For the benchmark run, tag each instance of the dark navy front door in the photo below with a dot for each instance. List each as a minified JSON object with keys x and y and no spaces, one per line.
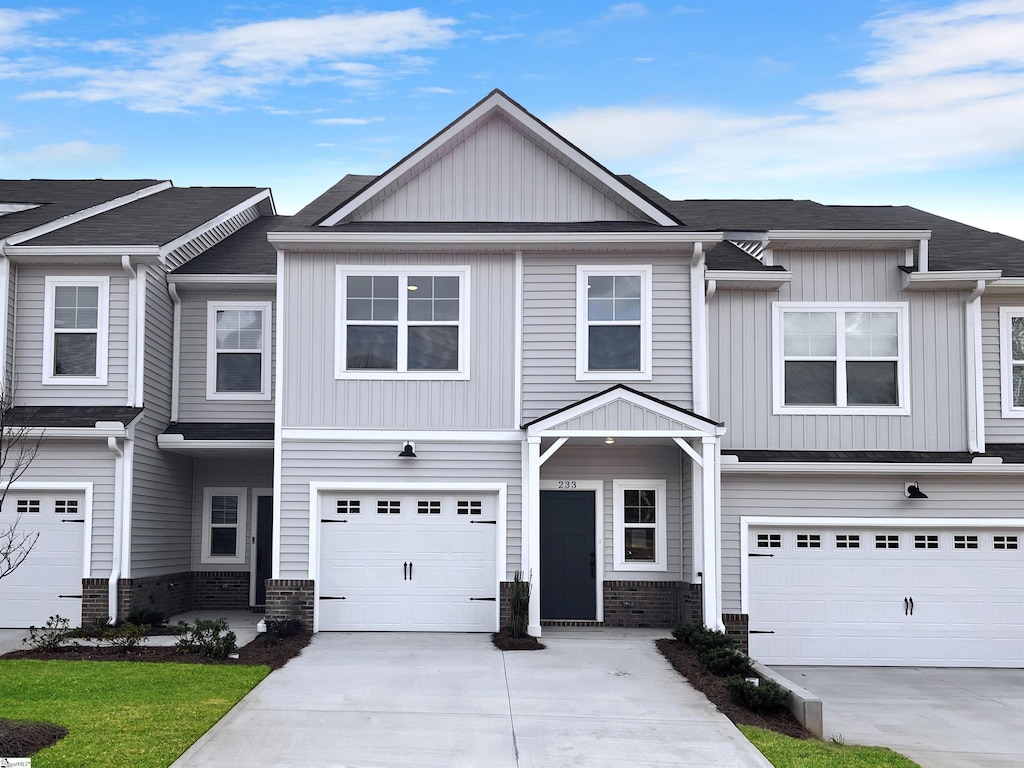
{"x":568,"y":564}
{"x":264,"y":540}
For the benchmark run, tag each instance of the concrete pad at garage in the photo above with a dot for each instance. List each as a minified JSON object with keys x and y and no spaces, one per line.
{"x":10,"y":640}
{"x":940,"y":718}
{"x":593,"y":697}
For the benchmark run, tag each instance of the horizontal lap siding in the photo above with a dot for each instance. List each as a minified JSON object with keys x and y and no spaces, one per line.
{"x":441,"y":462}
{"x":28,"y":363}
{"x":741,"y":360}
{"x":162,"y":491}
{"x":549,"y":331}
{"x":846,"y":496}
{"x":997,"y":429}
{"x":254,"y":473}
{"x":192,"y":402}
{"x":626,"y":461}
{"x":314,"y":398}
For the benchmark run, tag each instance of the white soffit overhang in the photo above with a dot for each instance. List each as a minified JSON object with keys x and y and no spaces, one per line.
{"x":832,"y":239}
{"x":948,"y":281}
{"x":749,"y":280}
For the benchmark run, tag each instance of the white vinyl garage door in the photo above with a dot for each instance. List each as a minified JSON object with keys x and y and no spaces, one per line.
{"x":49,"y":582}
{"x":408,"y":562}
{"x":945,"y":597}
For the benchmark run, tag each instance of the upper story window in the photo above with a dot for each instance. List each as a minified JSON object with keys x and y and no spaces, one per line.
{"x":75,"y":330}
{"x":832,"y":356}
{"x":407,"y":323}
{"x":238,"y":350}
{"x":613,"y":323}
{"x":1011,"y":361}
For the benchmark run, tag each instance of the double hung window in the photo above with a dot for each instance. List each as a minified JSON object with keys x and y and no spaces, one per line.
{"x":613,"y":325}
{"x":75,"y":335}
{"x":1011,"y":359}
{"x":639,"y":519}
{"x":403,"y":322}
{"x":840,"y":356}
{"x":224,"y":516}
{"x":238,"y":351}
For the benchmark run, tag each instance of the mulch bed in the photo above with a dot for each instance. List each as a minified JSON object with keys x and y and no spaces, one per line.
{"x":684,"y":659}
{"x":504,"y":641}
{"x":20,"y":738}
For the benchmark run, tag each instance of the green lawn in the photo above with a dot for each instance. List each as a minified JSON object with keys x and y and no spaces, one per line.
{"x":121,"y":713}
{"x":785,"y":752}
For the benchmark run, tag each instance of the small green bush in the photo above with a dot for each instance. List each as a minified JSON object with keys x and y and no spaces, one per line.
{"x":764,"y":697}
{"x":127,"y":636}
{"x":50,"y":636}
{"x":724,"y":661}
{"x":280,"y":629}
{"x":146,"y":616}
{"x":702,"y":639}
{"x":519,"y":605}
{"x":210,"y":638}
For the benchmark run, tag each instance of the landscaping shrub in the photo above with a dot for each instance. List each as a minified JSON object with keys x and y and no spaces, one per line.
{"x":50,"y":635}
{"x":127,"y":636}
{"x":724,"y":661}
{"x":280,"y":629}
{"x":702,"y":639}
{"x":519,"y":605}
{"x":764,"y":697}
{"x":210,"y":638}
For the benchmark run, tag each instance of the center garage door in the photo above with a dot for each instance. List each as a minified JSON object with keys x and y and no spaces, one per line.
{"x":408,"y":563}
{"x":887,"y":597}
{"x":49,"y":581}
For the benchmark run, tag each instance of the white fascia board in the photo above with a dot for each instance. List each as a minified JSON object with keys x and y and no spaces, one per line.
{"x":765,"y":279}
{"x":102,"y":430}
{"x":179,"y":443}
{"x":850,"y":234}
{"x":255,"y":200}
{"x":401,"y":435}
{"x":865,"y":468}
{"x":142,"y":252}
{"x":221,"y":281}
{"x":86,"y":213}
{"x":521,"y":239}
{"x":685,"y":434}
{"x":943,"y":281}
{"x":1006,"y":285}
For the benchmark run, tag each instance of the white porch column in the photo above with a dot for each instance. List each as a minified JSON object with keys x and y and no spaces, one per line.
{"x":712,"y":579}
{"x":531,"y":531}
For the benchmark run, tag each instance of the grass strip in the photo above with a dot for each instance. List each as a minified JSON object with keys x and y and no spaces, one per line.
{"x":787,"y":752}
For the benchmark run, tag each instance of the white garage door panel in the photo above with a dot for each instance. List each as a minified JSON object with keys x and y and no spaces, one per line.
{"x":409,"y":569}
{"x":828,"y":604}
{"x":33,"y":592}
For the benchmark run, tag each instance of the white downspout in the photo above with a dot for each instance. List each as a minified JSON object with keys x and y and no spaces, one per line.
{"x":922,"y":255}
{"x":126,"y":265}
{"x":5,"y":299}
{"x":172,"y":289}
{"x":140,"y":337}
{"x":699,"y":337}
{"x":975,"y":390}
{"x":115,"y":563}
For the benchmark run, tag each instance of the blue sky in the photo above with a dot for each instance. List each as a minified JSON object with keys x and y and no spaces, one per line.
{"x":854,"y":102}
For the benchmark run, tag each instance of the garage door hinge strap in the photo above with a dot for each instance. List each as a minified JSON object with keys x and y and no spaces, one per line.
{"x":759,"y":554}
{"x":484,"y":522}
{"x":325,"y":597}
{"x":73,"y":597}
{"x":761,"y":632}
{"x":72,"y":520}
{"x":484,"y":599}
{"x":334,"y":521}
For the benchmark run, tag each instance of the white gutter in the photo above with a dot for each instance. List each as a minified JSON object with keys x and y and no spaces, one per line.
{"x":115,"y":562}
{"x":219,"y":281}
{"x":850,"y":234}
{"x":103,"y":429}
{"x":127,"y":506}
{"x":150,"y":252}
{"x":336,"y":237}
{"x":175,"y":352}
{"x":700,"y":364}
{"x":975,"y":391}
{"x":178,"y":443}
{"x":866,"y":468}
{"x":126,"y":265}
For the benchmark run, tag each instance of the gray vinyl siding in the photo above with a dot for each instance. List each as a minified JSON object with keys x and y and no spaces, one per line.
{"x":192,"y":402}
{"x":82,"y":461}
{"x":28,"y":362}
{"x":437,"y":462}
{"x":997,"y":428}
{"x":949,"y":496}
{"x":254,"y":473}
{"x":162,"y":482}
{"x":628,"y":461}
{"x":740,"y":324}
{"x":549,"y":330}
{"x":315,"y":398}
{"x":496,"y":173}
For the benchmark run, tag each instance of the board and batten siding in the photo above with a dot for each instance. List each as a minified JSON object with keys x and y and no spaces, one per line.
{"x":162,"y":481}
{"x":997,"y":428}
{"x":28,"y":349}
{"x":495,"y":172}
{"x":549,"y":330}
{"x":627,"y":460}
{"x":192,"y":402}
{"x":845,"y":496}
{"x":740,"y":352}
{"x":314,"y":398}
{"x":305,"y":462}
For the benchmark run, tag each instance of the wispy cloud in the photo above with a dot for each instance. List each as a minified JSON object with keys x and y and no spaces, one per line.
{"x":180,"y":72}
{"x":942,"y":87}
{"x":64,"y":156}
{"x":625,"y":11}
{"x":13,"y":25}
{"x":435,"y":89}
{"x":497,"y":38}
{"x":347,"y":120}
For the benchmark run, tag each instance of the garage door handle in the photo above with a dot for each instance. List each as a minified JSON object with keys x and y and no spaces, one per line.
{"x":405,"y":571}
{"x":72,"y":597}
{"x":325,"y":597}
{"x":911,"y":606}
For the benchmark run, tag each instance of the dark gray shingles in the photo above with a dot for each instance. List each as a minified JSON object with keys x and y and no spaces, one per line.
{"x":329,"y":201}
{"x":246,"y":252}
{"x":69,"y":415}
{"x":222,"y":430}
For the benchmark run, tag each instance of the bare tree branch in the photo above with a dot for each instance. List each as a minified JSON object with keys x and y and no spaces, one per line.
{"x":19,"y":447}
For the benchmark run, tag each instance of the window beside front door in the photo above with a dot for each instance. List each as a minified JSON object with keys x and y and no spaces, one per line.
{"x":224,"y":519}
{"x":639,"y":520}
{"x":75,"y":334}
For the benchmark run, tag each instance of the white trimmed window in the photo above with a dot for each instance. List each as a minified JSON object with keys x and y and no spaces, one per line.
{"x":224,"y":515}
{"x":838,"y":356}
{"x":613,"y":323}
{"x":238,"y":350}
{"x":1011,"y":361}
{"x":75,"y":330}
{"x":639,"y":519}
{"x":402,"y":323}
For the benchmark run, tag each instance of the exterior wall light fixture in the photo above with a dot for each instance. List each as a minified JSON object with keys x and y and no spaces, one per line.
{"x":913,"y":491}
{"x":408,"y":451}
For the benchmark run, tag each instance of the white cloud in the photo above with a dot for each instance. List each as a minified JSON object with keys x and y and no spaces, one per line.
{"x":347,"y":120}
{"x":13,"y":25}
{"x":435,"y":89}
{"x":179,"y":72}
{"x":498,"y":38}
{"x":69,"y":154}
{"x":625,"y":11}
{"x":944,"y":88}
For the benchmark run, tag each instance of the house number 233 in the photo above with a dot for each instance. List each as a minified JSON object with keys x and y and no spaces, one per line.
{"x":566,"y":484}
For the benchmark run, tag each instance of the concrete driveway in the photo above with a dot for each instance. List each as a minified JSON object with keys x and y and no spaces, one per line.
{"x":10,"y":640}
{"x":940,"y":718}
{"x":594,"y":698}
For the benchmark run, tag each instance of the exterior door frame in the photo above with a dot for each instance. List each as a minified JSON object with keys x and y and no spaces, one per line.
{"x":597,"y":488}
{"x":254,"y":518}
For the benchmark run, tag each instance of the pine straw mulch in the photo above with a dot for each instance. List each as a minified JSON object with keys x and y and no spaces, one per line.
{"x":504,"y":641}
{"x":684,"y":659}
{"x":24,"y":739}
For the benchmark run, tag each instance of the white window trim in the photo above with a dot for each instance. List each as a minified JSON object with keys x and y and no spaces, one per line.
{"x":1006,"y":315}
{"x":583,"y":272}
{"x":243,"y":519}
{"x":427,"y":270}
{"x":212,"y":307}
{"x":102,"y":323}
{"x":619,"y":524}
{"x":779,"y":406}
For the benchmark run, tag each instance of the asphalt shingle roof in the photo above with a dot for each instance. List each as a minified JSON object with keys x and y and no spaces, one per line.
{"x":209,"y":430}
{"x":246,"y":252}
{"x":69,"y":415}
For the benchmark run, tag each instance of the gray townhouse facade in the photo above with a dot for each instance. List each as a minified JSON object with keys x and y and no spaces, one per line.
{"x":798,"y":423}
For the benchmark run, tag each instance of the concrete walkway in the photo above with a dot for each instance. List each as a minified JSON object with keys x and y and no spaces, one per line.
{"x":940,"y":718}
{"x":594,"y":698}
